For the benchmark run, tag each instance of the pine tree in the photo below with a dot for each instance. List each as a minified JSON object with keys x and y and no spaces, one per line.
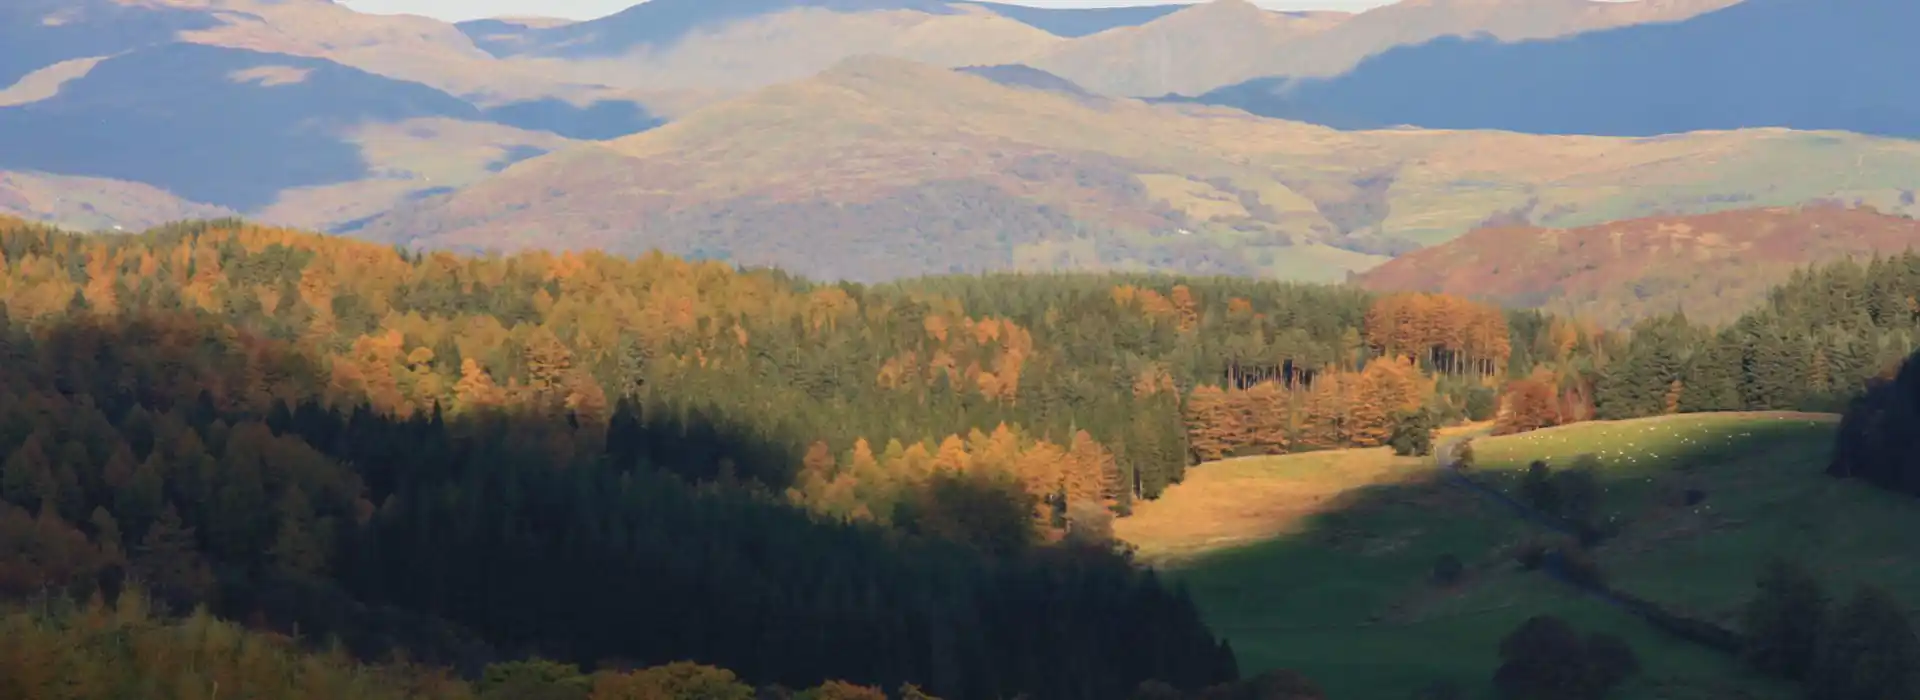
{"x":168,"y":559}
{"x":1784,"y":624}
{"x":1870,"y":651}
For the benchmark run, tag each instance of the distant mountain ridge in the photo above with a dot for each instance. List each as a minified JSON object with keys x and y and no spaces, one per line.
{"x":88,"y":204}
{"x":1148,"y":51}
{"x":883,"y":168}
{"x":125,"y":120}
{"x":1018,"y":75}
{"x":340,"y":120}
{"x":660,"y":22}
{"x":1706,"y":72}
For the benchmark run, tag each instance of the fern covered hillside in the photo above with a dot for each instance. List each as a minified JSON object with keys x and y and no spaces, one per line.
{"x":882,"y":168}
{"x":1713,"y":267}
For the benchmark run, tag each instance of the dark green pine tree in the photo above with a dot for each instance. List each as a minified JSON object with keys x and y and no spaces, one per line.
{"x":1869,"y":653}
{"x":1784,"y":623}
{"x":1712,"y":379}
{"x":1771,"y":367}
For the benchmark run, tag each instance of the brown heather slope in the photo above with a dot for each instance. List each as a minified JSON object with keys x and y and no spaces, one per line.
{"x":1188,"y":52}
{"x":881,"y":168}
{"x":91,"y":203}
{"x":1712,"y":266}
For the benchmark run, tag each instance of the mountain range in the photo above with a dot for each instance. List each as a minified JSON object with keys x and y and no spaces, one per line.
{"x":883,"y":167}
{"x":934,"y":136}
{"x":1798,"y":64}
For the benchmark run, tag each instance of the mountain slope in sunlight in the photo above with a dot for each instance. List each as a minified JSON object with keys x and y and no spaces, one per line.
{"x":881,"y":168}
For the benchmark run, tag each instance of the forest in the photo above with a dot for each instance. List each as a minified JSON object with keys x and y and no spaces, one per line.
{"x":477,"y":460}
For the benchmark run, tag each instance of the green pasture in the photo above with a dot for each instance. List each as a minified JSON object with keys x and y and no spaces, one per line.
{"x":1347,"y":598}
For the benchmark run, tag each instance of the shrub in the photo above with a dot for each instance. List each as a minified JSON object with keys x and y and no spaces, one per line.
{"x":1576,"y":492}
{"x":1538,"y":489}
{"x":1447,"y":570}
{"x":1545,"y":659}
{"x":1440,"y":690}
{"x":1463,"y":455}
{"x":1412,"y":434}
{"x":1482,"y":404}
{"x":1579,"y":566}
{"x":1531,"y":553}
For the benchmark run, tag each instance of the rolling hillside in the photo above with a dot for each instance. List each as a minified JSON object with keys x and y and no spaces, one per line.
{"x":1224,"y":42}
{"x":127,"y":119}
{"x":1416,"y":22}
{"x":660,"y":23}
{"x":35,"y":34}
{"x":1152,"y":50}
{"x":1187,"y":52}
{"x":89,"y":203}
{"x":1702,"y":73}
{"x":883,"y":168}
{"x":151,"y":92}
{"x":1375,"y":625}
{"x":1711,"y":266}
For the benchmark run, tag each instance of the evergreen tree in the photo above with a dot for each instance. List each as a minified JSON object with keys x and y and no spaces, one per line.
{"x":1784,"y":623}
{"x":1869,"y":652}
{"x":1412,"y":433}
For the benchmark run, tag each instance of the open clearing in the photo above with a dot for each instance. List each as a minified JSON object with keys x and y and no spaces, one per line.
{"x":1322,"y":562}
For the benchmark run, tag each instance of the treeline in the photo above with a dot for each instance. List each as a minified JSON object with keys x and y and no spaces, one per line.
{"x":1080,"y":382}
{"x":188,"y":454}
{"x":99,"y":651}
{"x":1813,"y":346}
{"x":1879,"y":437}
{"x":96,"y":650}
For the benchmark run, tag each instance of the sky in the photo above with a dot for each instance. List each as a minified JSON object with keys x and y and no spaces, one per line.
{"x":460,"y":10}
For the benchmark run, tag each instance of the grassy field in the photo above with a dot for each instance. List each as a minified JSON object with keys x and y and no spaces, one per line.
{"x":1321,"y":562}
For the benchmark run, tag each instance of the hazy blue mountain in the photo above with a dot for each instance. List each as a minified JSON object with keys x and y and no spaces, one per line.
{"x":1022,"y":75}
{"x":1074,"y":22}
{"x":35,"y":34}
{"x":601,"y":120}
{"x":497,"y":37}
{"x":659,"y":22}
{"x":174,"y":116}
{"x":1804,"y":64}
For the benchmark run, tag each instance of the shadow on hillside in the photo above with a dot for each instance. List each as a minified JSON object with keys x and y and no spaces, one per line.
{"x":1599,"y":82}
{"x":230,"y":470}
{"x":1368,"y":570}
